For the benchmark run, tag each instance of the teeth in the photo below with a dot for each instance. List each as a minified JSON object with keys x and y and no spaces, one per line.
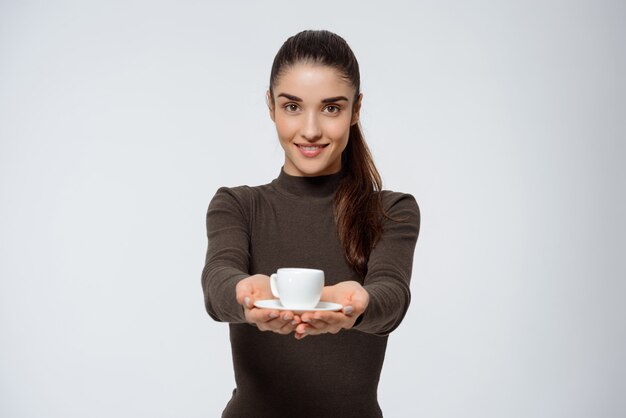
{"x":311,"y":148}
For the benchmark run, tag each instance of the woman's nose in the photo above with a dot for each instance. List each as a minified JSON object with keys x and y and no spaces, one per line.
{"x":311,"y":131}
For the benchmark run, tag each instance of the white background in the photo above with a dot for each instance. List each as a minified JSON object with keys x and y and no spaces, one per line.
{"x":120,"y":119}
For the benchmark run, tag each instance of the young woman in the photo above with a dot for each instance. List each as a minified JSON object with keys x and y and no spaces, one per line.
{"x":325,"y":210}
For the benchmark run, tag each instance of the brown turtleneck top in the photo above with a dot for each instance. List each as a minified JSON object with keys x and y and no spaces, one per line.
{"x":290,"y":223}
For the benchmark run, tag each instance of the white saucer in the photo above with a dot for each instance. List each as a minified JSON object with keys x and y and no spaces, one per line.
{"x":275,"y":304}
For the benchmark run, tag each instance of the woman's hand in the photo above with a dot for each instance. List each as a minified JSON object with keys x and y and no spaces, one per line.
{"x":255,"y":288}
{"x":354,"y":299}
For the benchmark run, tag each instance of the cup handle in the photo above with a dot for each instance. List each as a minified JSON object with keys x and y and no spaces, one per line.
{"x":273,"y":285}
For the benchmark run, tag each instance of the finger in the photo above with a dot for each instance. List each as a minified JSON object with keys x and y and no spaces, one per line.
{"x":323,"y":317}
{"x":277,"y":325}
{"x":281,"y":322}
{"x":306,"y":317}
{"x":287,"y":327}
{"x":263,"y":315}
{"x":315,"y":315}
{"x":329,"y":323}
{"x":356,"y":307}
{"x":359,"y":301}
{"x":272,"y":315}
{"x":287,"y":315}
{"x":244,"y":293}
{"x":302,"y":328}
{"x":314,"y":328}
{"x":253,"y":315}
{"x":286,"y":320}
{"x":317,"y":324}
{"x":326,"y":328}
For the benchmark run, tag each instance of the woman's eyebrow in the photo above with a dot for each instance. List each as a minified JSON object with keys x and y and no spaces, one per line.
{"x":290,"y":97}
{"x":335,"y":99}
{"x":328,"y":100}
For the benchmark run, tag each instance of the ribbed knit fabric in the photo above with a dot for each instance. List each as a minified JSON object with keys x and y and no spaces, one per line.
{"x":290,"y":223}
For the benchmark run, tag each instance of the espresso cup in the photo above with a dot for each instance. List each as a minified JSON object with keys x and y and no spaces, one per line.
{"x":297,"y":287}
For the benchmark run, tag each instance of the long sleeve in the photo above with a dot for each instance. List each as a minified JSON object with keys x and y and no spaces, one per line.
{"x":228,"y":258}
{"x":290,"y":222}
{"x":389,"y":267}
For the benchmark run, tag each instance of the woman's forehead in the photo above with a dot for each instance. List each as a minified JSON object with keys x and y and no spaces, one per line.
{"x":313,"y":81}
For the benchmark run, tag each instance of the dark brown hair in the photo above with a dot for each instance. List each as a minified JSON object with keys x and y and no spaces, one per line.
{"x":357,"y":201}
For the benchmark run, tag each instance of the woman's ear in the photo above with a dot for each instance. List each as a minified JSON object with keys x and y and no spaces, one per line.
{"x":357,"y":110}
{"x":268,"y":100}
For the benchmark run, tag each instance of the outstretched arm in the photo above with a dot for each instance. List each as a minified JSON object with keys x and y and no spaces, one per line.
{"x":227,"y":258}
{"x":380,"y":304}
{"x":229,"y":290}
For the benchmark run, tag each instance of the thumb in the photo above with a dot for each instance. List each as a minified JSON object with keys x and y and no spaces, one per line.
{"x":244,"y":293}
{"x":357,"y":303}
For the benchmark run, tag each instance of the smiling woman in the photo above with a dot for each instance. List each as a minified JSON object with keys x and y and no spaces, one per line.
{"x":327,"y":211}
{"x":313,"y":119}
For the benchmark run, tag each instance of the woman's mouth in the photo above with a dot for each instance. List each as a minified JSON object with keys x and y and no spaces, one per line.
{"x":311,"y":151}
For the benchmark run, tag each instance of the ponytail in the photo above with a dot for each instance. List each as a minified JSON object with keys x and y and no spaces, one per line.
{"x":358,"y":203}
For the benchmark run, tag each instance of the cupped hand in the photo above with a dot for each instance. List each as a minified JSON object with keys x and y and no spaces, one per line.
{"x":257,"y":287}
{"x":351,"y":295}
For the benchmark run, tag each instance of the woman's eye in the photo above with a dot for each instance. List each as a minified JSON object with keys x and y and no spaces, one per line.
{"x":291,"y":107}
{"x":332,"y":109}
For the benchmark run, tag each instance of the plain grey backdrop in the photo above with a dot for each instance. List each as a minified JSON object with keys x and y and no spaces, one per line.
{"x":120,"y":119}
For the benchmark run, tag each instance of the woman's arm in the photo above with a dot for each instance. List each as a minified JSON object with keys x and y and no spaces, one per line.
{"x":227,"y":259}
{"x":229,"y":290}
{"x":380,"y":304}
{"x":390,"y":266}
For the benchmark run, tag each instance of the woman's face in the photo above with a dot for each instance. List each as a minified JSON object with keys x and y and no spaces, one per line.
{"x":313,"y":112}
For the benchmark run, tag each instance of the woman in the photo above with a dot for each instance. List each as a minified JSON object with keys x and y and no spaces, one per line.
{"x":325,"y":210}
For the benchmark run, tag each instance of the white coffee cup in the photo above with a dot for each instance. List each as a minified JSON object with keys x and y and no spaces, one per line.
{"x":297,"y":287}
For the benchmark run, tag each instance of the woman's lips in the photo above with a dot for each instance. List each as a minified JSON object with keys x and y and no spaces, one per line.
{"x":311,"y":151}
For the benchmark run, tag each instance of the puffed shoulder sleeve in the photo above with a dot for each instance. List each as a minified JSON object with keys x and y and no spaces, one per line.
{"x":390,"y":265}
{"x":227,"y":257}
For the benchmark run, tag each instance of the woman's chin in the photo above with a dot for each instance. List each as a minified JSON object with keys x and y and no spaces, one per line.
{"x":313,"y":170}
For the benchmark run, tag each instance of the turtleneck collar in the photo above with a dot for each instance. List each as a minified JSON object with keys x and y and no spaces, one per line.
{"x":317,"y":186}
